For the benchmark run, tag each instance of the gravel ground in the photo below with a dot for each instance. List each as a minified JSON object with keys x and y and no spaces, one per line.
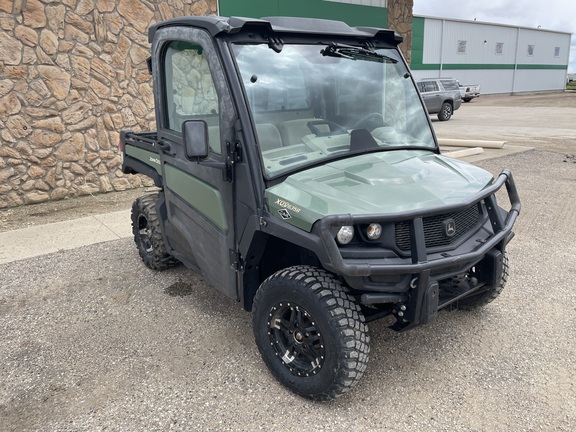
{"x":92,"y":340}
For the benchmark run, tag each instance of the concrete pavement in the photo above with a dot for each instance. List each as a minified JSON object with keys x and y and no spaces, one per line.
{"x":44,"y":239}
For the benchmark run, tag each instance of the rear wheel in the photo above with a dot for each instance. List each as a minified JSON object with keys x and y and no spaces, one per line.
{"x":147,"y":234}
{"x":446,"y":112}
{"x":310,"y":332}
{"x":467,"y":99}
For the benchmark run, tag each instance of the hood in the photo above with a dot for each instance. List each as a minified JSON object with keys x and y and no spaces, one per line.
{"x":378,"y":183}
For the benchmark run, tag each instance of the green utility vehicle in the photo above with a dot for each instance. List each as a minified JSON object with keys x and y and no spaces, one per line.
{"x":299,"y":174}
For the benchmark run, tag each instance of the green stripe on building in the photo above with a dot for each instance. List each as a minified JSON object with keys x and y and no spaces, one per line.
{"x":418,"y":43}
{"x":541,"y":66}
{"x":351,"y":14}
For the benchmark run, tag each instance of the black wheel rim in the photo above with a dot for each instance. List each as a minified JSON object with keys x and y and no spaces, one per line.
{"x":144,"y":233}
{"x":296,"y":340}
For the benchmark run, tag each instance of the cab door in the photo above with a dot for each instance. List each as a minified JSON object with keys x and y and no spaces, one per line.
{"x":199,"y":198}
{"x":431,"y":95}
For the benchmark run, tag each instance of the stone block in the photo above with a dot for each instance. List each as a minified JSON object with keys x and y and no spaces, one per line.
{"x":5,"y":87}
{"x":114,"y":23}
{"x":10,"y":49}
{"x":73,"y":34}
{"x":55,"y":17}
{"x":42,"y":185}
{"x":5,"y":174}
{"x":58,"y":194}
{"x":88,"y":189}
{"x":36,"y":172}
{"x":17,"y":73}
{"x":76,"y":113}
{"x":40,"y":113}
{"x":105,"y":185}
{"x":56,"y":80}
{"x":79,"y":22}
{"x":84,"y":124}
{"x":136,"y":13}
{"x":42,"y":138}
{"x":9,"y":104}
{"x":49,"y":42}
{"x":120,"y":183}
{"x":34,"y":15}
{"x":18,"y":126}
{"x":40,"y":88}
{"x":84,"y":7}
{"x":53,"y":124}
{"x":6,"y":5}
{"x":36,"y":197}
{"x":26,"y":35}
{"x":72,"y":150}
{"x":7,"y":136}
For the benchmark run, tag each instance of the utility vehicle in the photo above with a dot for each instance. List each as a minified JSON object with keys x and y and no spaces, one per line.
{"x":299,"y":174}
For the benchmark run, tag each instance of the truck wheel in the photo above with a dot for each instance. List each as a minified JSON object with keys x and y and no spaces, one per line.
{"x":310,"y":332}
{"x":446,"y":112}
{"x":147,"y":234}
{"x":484,"y":297}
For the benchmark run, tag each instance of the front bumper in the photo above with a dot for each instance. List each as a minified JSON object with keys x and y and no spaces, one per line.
{"x":422,"y":270}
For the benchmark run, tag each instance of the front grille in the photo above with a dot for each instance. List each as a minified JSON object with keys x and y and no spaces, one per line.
{"x":434,"y":228}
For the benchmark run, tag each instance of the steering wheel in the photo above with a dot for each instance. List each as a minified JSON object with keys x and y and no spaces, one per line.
{"x":333,"y":128}
{"x":370,"y":122}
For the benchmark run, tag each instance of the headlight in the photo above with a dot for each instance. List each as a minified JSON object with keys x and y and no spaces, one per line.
{"x":374,"y":231}
{"x":345,"y":234}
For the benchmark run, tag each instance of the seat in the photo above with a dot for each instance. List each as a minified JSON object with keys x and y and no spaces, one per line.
{"x":292,"y":131}
{"x":268,"y":136}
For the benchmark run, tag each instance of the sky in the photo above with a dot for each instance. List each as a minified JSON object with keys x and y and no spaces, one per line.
{"x":548,"y":14}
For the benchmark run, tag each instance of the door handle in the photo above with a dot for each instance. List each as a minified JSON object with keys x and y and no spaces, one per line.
{"x":166,"y":148}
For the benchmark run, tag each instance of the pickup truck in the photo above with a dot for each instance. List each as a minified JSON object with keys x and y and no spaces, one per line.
{"x":299,"y":174}
{"x":469,"y":91}
{"x":441,"y":96}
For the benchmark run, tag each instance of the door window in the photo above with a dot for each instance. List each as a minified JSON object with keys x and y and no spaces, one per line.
{"x":427,"y":86}
{"x":190,"y":92}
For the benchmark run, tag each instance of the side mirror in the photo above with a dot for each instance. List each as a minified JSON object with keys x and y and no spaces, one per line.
{"x":195,"y":135}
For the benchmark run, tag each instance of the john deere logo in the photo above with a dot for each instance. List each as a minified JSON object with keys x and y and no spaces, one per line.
{"x":449,"y":228}
{"x":285,"y":214}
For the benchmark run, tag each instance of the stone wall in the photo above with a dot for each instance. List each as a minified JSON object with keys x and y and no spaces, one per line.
{"x":400,"y":20}
{"x":72,"y":75}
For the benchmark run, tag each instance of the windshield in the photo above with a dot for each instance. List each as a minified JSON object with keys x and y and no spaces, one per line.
{"x":312,"y":103}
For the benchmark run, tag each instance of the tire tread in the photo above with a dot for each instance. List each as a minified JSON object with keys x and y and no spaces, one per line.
{"x":158,"y":258}
{"x":344,"y":315}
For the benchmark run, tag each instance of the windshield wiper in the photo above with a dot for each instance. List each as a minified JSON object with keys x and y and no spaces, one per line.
{"x":355,"y":53}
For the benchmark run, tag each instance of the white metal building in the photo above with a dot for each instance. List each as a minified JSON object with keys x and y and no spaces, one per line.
{"x":501,"y":58}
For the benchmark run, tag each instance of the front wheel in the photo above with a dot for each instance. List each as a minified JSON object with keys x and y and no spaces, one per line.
{"x":446,"y":112}
{"x":310,"y":332}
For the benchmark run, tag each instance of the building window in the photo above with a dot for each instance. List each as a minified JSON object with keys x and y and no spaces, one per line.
{"x":530,"y":50}
{"x":499,"y":48}
{"x":461,"y":47}
{"x":556,"y":51}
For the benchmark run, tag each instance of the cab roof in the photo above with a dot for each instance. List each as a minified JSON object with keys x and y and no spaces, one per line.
{"x":218,"y":26}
